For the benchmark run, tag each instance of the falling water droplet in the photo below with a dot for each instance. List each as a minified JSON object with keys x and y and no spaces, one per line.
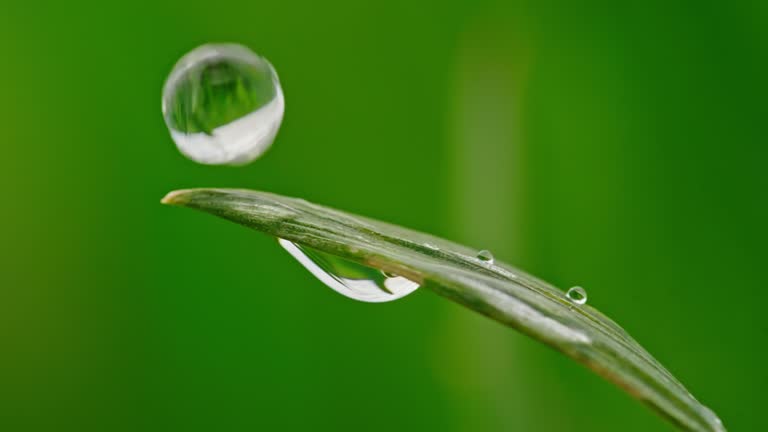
{"x":348,"y":278}
{"x":485,"y":256}
{"x":577,"y":295}
{"x":223,"y":104}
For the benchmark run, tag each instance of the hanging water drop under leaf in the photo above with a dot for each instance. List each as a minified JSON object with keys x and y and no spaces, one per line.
{"x":223,"y":104}
{"x":351,"y":279}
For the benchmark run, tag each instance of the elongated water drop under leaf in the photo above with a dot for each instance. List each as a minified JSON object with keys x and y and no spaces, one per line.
{"x":501,"y":292}
{"x":349,"y":278}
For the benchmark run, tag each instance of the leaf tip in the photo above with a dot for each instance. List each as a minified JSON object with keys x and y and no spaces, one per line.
{"x":176,"y":197}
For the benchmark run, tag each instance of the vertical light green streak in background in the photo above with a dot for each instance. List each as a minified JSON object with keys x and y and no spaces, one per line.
{"x":488,"y":180}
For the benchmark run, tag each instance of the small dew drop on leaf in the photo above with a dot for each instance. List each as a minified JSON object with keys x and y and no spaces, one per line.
{"x":577,"y":295}
{"x":486,"y":257}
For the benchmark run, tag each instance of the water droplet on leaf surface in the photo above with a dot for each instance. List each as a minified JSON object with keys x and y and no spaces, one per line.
{"x":348,"y":278}
{"x":223,"y":104}
{"x":577,"y":295}
{"x":485,"y":256}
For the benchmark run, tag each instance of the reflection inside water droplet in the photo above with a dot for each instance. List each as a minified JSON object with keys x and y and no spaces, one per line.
{"x":577,"y":295}
{"x":485,"y":256}
{"x":387,"y":274}
{"x":348,"y":278}
{"x":223,"y":104}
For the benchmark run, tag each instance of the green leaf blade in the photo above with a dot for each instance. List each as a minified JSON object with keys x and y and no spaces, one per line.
{"x":501,"y":292}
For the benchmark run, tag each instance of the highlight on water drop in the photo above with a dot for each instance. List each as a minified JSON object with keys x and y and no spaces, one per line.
{"x":348,"y":278}
{"x":223,"y":104}
{"x":577,"y":295}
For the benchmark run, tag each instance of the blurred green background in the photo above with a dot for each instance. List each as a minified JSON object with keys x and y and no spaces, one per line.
{"x":614,"y":146}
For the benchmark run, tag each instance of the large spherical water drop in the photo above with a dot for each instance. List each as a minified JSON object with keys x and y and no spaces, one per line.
{"x":223,"y":104}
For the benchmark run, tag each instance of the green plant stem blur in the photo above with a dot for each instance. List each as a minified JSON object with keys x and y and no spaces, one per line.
{"x":619,"y":148}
